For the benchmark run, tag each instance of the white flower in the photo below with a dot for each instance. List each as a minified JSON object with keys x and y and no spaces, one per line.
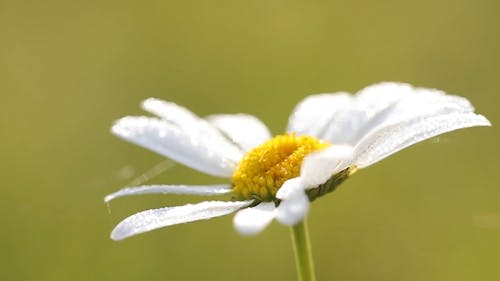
{"x":329,"y":137}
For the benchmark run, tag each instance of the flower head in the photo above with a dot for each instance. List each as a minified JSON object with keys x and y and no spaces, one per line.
{"x":329,"y":137}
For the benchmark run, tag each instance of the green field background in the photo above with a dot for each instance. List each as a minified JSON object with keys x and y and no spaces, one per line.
{"x":68,"y":69}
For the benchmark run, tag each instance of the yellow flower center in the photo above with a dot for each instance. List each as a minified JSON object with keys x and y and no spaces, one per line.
{"x":265,"y":168}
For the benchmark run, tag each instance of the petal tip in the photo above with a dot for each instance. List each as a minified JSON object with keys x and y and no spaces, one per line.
{"x":252,"y":221}
{"x":120,"y":126}
{"x":246,"y":231}
{"x":108,"y":198}
{"x":485,"y":121}
{"x":147,"y":103}
{"x":290,"y":187}
{"x":118,"y":234}
{"x":293,"y":210}
{"x":290,"y":219}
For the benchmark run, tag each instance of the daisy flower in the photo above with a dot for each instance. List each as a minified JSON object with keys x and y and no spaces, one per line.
{"x":328,"y":138}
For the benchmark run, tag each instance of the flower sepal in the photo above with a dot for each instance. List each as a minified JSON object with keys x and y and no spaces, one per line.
{"x":331,"y":184}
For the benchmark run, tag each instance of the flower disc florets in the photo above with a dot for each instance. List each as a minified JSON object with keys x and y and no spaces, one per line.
{"x":264,"y":169}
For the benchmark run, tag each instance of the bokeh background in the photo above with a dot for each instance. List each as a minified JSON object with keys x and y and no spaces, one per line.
{"x":68,"y":69}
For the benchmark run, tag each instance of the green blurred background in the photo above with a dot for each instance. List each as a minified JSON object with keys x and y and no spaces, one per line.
{"x":68,"y":69}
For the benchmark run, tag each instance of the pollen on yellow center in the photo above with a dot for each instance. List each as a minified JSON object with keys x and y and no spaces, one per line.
{"x":265,"y":168}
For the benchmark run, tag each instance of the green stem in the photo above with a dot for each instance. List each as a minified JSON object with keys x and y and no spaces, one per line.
{"x":303,"y":253}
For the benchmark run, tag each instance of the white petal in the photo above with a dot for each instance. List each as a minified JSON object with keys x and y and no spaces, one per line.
{"x":245,"y":130}
{"x":318,"y":167}
{"x":389,"y":103}
{"x":294,"y":202}
{"x":366,"y":104}
{"x":289,"y":188}
{"x":253,"y":220}
{"x":184,"y":119}
{"x":218,"y":189}
{"x":390,"y":139}
{"x":313,"y":113}
{"x":425,"y":97}
{"x":421,"y":102}
{"x":206,"y":153}
{"x":158,"y":218}
{"x":188,"y":122}
{"x":174,"y":113}
{"x":419,"y":105}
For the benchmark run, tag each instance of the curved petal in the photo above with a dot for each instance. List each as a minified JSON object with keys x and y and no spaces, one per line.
{"x":187,"y":121}
{"x":184,"y":119}
{"x":178,"y":115}
{"x":421,"y":102}
{"x":245,"y":130}
{"x":319,"y":166}
{"x":218,"y":189}
{"x":289,"y":187}
{"x":389,"y":103}
{"x":157,"y":218}
{"x":253,"y":220}
{"x":312,"y":114}
{"x":365,"y":105}
{"x":204,"y":152}
{"x":425,"y":102}
{"x":294,"y":202}
{"x":390,"y":139}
